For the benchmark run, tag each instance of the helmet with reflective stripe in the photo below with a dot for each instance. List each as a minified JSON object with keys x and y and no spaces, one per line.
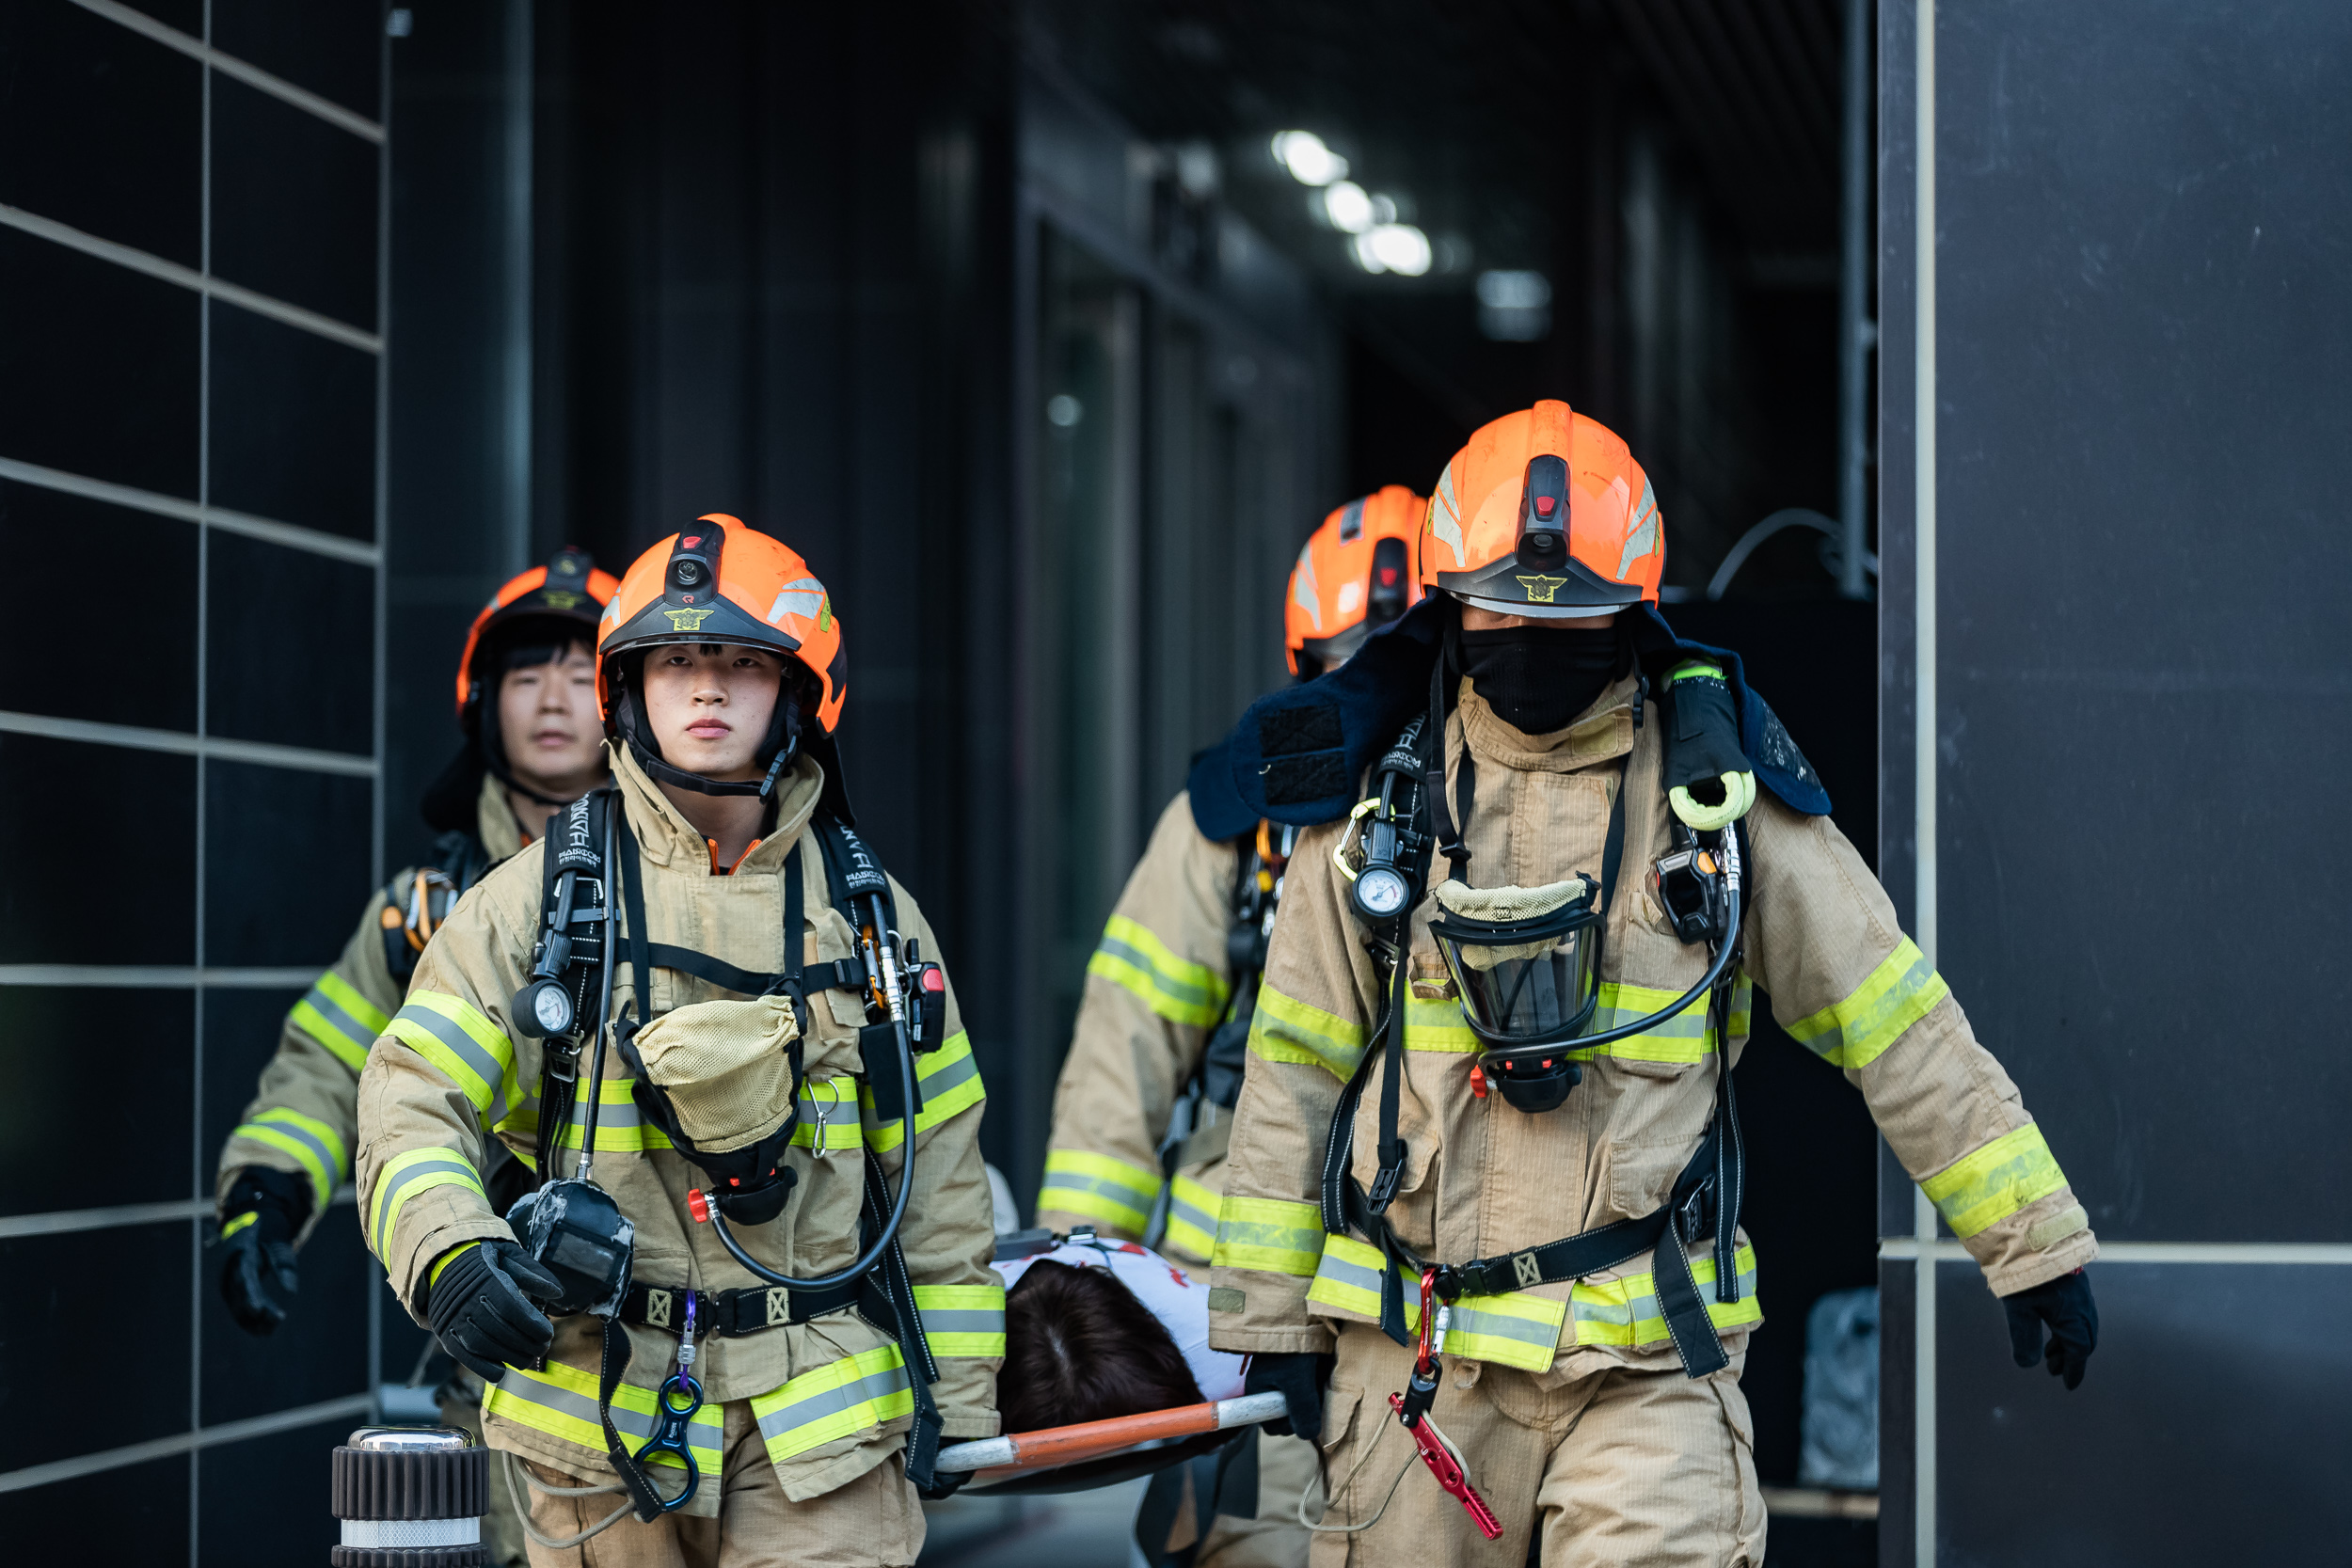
{"x":1545,"y":514}
{"x":1354,"y":575}
{"x":720,"y":580}
{"x":568,"y":593}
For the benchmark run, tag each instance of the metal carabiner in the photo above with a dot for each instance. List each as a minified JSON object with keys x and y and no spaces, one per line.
{"x":671,"y":1419}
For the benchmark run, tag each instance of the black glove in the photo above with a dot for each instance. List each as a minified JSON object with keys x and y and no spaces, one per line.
{"x":2065,"y":1304}
{"x":1299,"y":1377}
{"x":944,"y":1483}
{"x":259,"y":1219}
{"x":482,"y":1310}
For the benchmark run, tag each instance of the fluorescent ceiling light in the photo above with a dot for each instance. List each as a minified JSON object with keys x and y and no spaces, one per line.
{"x":1397,"y":247}
{"x":1350,"y":210}
{"x":1308,"y":161}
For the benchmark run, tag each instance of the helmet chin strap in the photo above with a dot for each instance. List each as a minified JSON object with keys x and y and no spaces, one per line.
{"x":782,"y":742}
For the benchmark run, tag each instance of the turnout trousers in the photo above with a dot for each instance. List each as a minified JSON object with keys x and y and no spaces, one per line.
{"x":875,"y":1521}
{"x":1614,"y":1467}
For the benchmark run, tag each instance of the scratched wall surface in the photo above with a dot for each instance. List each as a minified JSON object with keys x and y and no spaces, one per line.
{"x":2142,"y":332}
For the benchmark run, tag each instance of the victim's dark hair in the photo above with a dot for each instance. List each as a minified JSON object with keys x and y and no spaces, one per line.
{"x":1080,"y":1347}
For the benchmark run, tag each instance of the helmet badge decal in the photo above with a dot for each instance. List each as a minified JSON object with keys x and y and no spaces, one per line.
{"x":687,"y":620}
{"x":1541,"y":589}
{"x":559,"y":598}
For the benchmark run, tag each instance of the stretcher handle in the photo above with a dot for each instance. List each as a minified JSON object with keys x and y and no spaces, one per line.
{"x":1053,"y":1446}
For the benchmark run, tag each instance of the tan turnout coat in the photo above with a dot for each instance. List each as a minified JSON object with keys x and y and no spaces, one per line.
{"x":450,"y":1076}
{"x":1484,"y":1179}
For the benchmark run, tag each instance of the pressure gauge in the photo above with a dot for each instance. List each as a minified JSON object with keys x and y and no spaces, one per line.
{"x":544,"y":1008}
{"x":1381,"y":892}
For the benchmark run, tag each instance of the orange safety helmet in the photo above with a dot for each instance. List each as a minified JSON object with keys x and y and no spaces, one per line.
{"x":1354,"y":575}
{"x":1545,"y":514}
{"x":723,"y":581}
{"x":567,"y":589}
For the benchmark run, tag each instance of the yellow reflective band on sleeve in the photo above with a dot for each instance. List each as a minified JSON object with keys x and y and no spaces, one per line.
{"x":248,"y":1217}
{"x":335,"y":1014}
{"x":1132,"y":958}
{"x":561,"y":1403}
{"x":1985,"y":1187}
{"x":838,"y":1400}
{"x":311,"y":1141}
{"x":1270,"y":1234}
{"x":405,"y":1174}
{"x":950,"y":1081}
{"x":1897,"y":994}
{"x":1112,"y":1191}
{"x":1192,"y":1211}
{"x":455,"y":1037}
{"x":1519,"y":1329}
{"x":1347,"y":1278}
{"x":1282,"y":1029}
{"x":963,"y":1320}
{"x":1625,"y":1312}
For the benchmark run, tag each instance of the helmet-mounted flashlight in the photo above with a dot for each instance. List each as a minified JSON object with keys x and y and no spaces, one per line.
{"x":1544,"y":514}
{"x":693,"y":573}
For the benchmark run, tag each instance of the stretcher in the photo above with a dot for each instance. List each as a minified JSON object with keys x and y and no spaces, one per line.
{"x":1102,"y":1453}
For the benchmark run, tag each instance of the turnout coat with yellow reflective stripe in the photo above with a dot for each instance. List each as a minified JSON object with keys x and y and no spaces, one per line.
{"x":1482,"y":1178}
{"x":304,"y":1113}
{"x":1156,"y":987}
{"x":451,"y":1077}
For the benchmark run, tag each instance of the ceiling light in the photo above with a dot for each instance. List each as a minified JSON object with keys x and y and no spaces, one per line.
{"x":1397,"y":247}
{"x":1308,"y":161}
{"x":1348,"y":208}
{"x":1513,"y":291}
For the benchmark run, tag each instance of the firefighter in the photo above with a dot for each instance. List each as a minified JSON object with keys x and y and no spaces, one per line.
{"x":1518,"y":1074}
{"x":752,"y":1111}
{"x":1144,"y":1104}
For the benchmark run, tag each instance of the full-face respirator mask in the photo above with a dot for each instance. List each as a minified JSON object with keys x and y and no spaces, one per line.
{"x":1526,"y":965}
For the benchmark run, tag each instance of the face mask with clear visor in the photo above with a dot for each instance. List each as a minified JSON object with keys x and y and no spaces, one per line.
{"x":1526,"y":963}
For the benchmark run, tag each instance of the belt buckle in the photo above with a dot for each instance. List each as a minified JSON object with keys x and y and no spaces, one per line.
{"x":1691,"y":1216}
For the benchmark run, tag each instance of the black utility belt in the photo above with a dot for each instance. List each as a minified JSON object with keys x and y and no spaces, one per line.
{"x":731,"y":1314}
{"x":1691,"y":1211}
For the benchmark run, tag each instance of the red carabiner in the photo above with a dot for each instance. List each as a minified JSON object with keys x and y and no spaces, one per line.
{"x":1444,"y":1466}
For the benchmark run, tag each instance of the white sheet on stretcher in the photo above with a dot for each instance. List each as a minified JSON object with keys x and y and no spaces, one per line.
{"x":1178,"y":1302}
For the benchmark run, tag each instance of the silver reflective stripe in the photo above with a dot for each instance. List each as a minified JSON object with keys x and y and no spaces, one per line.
{"x":962,"y":1321}
{"x":1193,"y":1214}
{"x":1688,"y":1024}
{"x":1341,"y":1272}
{"x":1078,"y":1181}
{"x":332,"y":1011}
{"x":833,"y":1402}
{"x":388,"y":1198}
{"x":468,"y":1050}
{"x":1163,"y":982}
{"x":1496,"y":1326}
{"x":331,"y":1157}
{"x":1647,"y":1306}
{"x":1601,"y":1312}
{"x":962,"y":1070}
{"x":393,"y":1534}
{"x":702,"y":1432}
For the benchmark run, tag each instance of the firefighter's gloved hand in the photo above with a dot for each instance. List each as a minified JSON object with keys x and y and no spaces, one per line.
{"x":944,"y":1483}
{"x":481,"y":1308}
{"x":259,"y":1219}
{"x":2065,"y":1304}
{"x":1299,"y":1377}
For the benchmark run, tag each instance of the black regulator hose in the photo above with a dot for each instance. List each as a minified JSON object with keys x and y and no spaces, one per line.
{"x":1734,"y":903}
{"x":872,"y":1255}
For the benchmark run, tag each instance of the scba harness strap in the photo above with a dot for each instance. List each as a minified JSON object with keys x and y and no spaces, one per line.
{"x":415,"y":905}
{"x":1707,"y":1195}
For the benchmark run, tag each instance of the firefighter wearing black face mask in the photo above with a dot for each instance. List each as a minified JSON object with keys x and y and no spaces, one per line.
{"x":1486,"y":1157}
{"x":1145,"y":1100}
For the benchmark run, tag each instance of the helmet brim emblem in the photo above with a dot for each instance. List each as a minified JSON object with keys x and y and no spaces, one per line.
{"x":1540,"y":589}
{"x":687,"y":620}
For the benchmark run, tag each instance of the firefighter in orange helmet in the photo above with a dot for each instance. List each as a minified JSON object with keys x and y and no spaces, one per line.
{"x":759,"y":1080}
{"x":1504,"y":1092}
{"x":532,"y":739}
{"x":1144,"y":1104}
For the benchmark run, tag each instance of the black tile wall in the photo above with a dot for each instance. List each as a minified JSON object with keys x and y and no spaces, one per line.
{"x":101,"y":366}
{"x":265,"y":1499}
{"x":56,"y":541}
{"x":67,"y":811}
{"x":104,"y":130}
{"x":48,"y":1408}
{"x":240,"y":1028}
{"x":186,"y":15}
{"x":2210,"y":1427}
{"x":319,"y":1353}
{"x":333,"y":48}
{"x":289,"y":861}
{"x":149,"y":1039}
{"x":292,"y":647}
{"x":294,"y":204}
{"x":142,"y":1509}
{"x":292,"y":424}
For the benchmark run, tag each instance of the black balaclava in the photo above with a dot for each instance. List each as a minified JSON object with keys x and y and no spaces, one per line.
{"x":1537,"y":679}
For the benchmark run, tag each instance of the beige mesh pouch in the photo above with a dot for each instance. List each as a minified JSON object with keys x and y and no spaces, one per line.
{"x":726,"y":1068}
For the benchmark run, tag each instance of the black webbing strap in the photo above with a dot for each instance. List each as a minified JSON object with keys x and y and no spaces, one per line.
{"x":642,"y":1496}
{"x":914,"y":1346}
{"x":731,"y":1314}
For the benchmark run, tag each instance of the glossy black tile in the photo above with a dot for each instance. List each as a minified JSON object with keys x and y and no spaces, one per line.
{"x":143,"y":1507}
{"x":258,"y":1498}
{"x":292,"y":424}
{"x":45,"y":1313}
{"x":333,"y":48}
{"x":56,"y":541}
{"x":288,"y":859}
{"x":101,"y":368}
{"x":104,"y":130}
{"x":294,"y":204}
{"x":2210,"y":1427}
{"x":150,"y":1046}
{"x":292,"y":638}
{"x":241,"y":1029}
{"x":319,"y":1353}
{"x":66,"y":810}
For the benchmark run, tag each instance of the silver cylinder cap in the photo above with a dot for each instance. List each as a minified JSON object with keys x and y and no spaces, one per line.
{"x":410,"y":1439}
